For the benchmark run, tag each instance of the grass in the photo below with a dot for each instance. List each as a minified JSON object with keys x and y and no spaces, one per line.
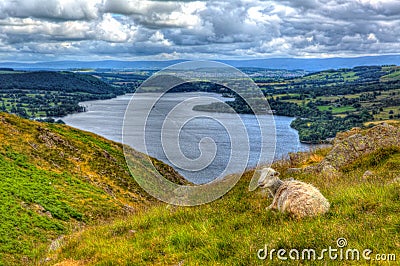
{"x":333,"y":98}
{"x":231,"y":230}
{"x":337,"y":76}
{"x":59,"y":181}
{"x":350,"y":76}
{"x":387,"y":112}
{"x":54,"y":180}
{"x":337,"y":110}
{"x":286,"y":94}
{"x":392,"y":122}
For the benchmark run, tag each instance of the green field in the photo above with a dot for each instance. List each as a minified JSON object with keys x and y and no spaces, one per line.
{"x":394,"y":74}
{"x":337,"y":110}
{"x":337,"y":100}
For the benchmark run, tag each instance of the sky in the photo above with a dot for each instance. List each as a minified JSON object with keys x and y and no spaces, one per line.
{"x":46,"y":30}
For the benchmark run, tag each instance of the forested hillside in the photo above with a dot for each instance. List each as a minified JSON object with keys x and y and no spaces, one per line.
{"x":46,"y":94}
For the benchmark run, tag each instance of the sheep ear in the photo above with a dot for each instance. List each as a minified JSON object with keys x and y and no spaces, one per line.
{"x":277,"y":174}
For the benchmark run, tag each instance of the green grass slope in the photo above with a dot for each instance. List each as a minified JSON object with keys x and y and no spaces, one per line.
{"x":364,"y":210}
{"x":55,"y":180}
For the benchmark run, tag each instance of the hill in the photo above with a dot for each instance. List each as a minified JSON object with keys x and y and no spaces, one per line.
{"x":104,"y":64}
{"x":55,"y":180}
{"x":364,"y":192}
{"x":51,"y":81}
{"x":337,"y":100}
{"x":49,"y":93}
{"x":328,"y":101}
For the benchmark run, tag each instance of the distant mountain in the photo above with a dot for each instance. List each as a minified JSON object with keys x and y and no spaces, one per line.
{"x":106,"y":64}
{"x":312,"y":64}
{"x":308,"y":64}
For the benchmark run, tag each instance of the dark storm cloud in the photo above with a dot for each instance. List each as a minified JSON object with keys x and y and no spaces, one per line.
{"x":197,"y":29}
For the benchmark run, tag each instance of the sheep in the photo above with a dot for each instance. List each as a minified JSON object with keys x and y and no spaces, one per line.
{"x":297,"y":198}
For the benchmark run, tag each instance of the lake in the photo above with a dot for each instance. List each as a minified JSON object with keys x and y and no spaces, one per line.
{"x":225,"y":152}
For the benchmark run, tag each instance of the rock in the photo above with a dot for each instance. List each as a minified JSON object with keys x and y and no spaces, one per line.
{"x":56,"y":244}
{"x":367,"y":174}
{"x":128,"y":209}
{"x":52,"y":140}
{"x":343,"y":135}
{"x":351,"y":145}
{"x":330,"y":171}
{"x":311,"y":169}
{"x":38,"y":207}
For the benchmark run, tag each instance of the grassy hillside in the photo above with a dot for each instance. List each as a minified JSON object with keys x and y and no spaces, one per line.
{"x":55,"y":180}
{"x":365,"y":205}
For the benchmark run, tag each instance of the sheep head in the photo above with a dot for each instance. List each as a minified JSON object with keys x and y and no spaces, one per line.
{"x":268,"y":177}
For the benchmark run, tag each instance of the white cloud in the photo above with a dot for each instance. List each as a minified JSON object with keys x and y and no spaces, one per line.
{"x":51,"y":9}
{"x":109,"y":29}
{"x":158,"y":37}
{"x":198,"y":29}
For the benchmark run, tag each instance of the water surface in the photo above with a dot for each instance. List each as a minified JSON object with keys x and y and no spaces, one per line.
{"x":106,"y":118}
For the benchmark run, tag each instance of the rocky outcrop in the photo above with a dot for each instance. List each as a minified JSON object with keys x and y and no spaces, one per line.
{"x":351,"y":145}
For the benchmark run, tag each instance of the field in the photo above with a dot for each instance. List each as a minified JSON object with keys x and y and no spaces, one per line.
{"x":345,"y":91}
{"x":337,"y":110}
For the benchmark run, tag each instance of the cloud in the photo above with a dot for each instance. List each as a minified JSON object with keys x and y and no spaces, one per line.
{"x":142,"y":29}
{"x":53,"y":9}
{"x":157,"y":14}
